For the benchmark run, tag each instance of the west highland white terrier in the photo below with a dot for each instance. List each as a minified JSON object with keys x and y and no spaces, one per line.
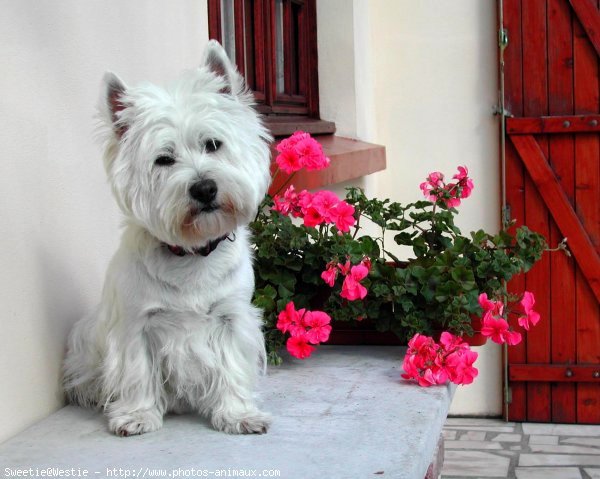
{"x":175,"y":330}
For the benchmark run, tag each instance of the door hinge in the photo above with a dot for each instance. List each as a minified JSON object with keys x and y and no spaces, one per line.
{"x":497,"y":110}
{"x":506,"y":216}
{"x":502,"y":38}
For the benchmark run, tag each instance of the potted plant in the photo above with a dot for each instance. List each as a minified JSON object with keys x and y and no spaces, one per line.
{"x":312,"y":258}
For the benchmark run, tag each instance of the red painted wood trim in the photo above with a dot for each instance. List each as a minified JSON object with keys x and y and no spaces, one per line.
{"x":587,"y":13}
{"x":554,"y":373}
{"x":553,"y":124}
{"x":350,"y":159}
{"x":561,"y":152}
{"x":214,"y":20}
{"x":562,"y":211}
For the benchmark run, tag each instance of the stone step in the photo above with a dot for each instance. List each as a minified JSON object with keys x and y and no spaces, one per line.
{"x":343,"y":413}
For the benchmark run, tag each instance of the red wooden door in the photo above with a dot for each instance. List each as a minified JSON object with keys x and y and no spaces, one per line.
{"x":553,"y":186}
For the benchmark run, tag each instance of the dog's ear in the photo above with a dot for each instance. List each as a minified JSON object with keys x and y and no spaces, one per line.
{"x":217,"y":61}
{"x":113,"y":93}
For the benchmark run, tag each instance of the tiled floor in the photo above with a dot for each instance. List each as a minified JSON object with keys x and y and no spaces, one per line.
{"x":485,"y":448}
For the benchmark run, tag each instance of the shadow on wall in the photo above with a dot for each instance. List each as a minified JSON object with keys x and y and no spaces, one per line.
{"x":64,"y":304}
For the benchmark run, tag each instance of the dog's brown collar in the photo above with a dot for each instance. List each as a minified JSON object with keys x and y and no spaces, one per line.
{"x":204,"y":251}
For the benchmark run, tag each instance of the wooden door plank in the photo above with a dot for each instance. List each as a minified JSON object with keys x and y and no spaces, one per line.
{"x":535,"y":91}
{"x":587,"y":151}
{"x":560,"y":373}
{"x":515,"y":186}
{"x":564,"y":215}
{"x":555,"y":124}
{"x":587,"y":13}
{"x":563,"y":339}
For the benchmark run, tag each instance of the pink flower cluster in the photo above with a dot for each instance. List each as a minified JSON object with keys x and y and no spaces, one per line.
{"x":300,"y":151}
{"x":305,"y":328}
{"x":351,"y":288}
{"x":437,"y":191}
{"x":322,"y":207}
{"x":429,"y":363}
{"x":495,"y":326}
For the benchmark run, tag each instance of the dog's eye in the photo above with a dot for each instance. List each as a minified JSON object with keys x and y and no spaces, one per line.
{"x":212,"y":145}
{"x":164,"y":161}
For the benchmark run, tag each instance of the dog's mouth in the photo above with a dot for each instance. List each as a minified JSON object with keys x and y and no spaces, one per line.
{"x":198,"y":210}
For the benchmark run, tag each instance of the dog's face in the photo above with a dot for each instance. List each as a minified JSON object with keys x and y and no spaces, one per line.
{"x":189,"y":163}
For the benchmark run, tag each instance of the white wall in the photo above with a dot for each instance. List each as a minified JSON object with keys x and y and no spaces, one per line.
{"x":59,"y":222}
{"x":423,"y":85}
{"x":418,"y":77}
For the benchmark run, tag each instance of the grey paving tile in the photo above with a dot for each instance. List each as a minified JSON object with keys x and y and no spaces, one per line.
{"x":538,"y":439}
{"x":481,"y":428}
{"x":561,"y":429}
{"x":539,"y":459}
{"x":474,"y":464}
{"x":563,"y":449}
{"x":515,"y":448}
{"x":449,"y":434}
{"x":547,"y":473}
{"x":583,"y":441}
{"x":472,"y":436}
{"x":471,"y":445}
{"x":506,"y":453}
{"x":474,"y":421}
{"x":508,"y":438}
{"x":592,"y":472}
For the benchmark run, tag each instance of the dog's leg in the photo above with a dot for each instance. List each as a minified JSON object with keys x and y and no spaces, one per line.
{"x":133,"y":382}
{"x":234,"y":414}
{"x":242,"y":356}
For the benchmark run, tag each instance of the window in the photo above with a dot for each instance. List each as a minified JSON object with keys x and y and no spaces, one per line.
{"x":274,"y":45}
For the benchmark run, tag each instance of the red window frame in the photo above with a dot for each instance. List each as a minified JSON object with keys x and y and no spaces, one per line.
{"x":254,"y":22}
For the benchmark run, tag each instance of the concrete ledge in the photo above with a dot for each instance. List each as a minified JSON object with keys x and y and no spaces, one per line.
{"x":344,"y":413}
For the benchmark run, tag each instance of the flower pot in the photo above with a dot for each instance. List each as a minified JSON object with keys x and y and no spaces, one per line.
{"x":361,"y":333}
{"x":477,"y":339}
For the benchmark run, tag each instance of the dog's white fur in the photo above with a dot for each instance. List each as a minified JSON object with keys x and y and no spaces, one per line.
{"x":177,"y":333}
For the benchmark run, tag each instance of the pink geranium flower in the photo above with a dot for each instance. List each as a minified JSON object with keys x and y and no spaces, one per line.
{"x":344,"y":268}
{"x":318,"y":322}
{"x":304,"y":202}
{"x":465,"y":184}
{"x":300,"y":151}
{"x":352,"y":289}
{"x":305,"y":328}
{"x":289,"y":161}
{"x":287,"y":203}
{"x":450,"y":342}
{"x":463,"y":173}
{"x":450,"y":194}
{"x":324,"y":202}
{"x":312,"y":217}
{"x":459,"y":365}
{"x":494,"y":328}
{"x":290,"y":320}
{"x":512,"y":338}
{"x":290,"y":142}
{"x":343,"y":216}
{"x":495,"y":307}
{"x":311,"y":154}
{"x":531,"y":317}
{"x":330,"y":274}
{"x":433,"y":182}
{"x":359,"y":272}
{"x":298,"y":346}
{"x":430,"y":363}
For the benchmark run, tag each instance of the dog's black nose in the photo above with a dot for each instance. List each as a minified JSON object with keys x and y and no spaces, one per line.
{"x":204,"y":191}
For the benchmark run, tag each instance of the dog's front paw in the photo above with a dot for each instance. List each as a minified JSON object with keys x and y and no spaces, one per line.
{"x":137,"y":422}
{"x":255,"y":423}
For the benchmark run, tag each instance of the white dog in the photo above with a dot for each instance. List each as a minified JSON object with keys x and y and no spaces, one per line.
{"x":175,"y":329}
